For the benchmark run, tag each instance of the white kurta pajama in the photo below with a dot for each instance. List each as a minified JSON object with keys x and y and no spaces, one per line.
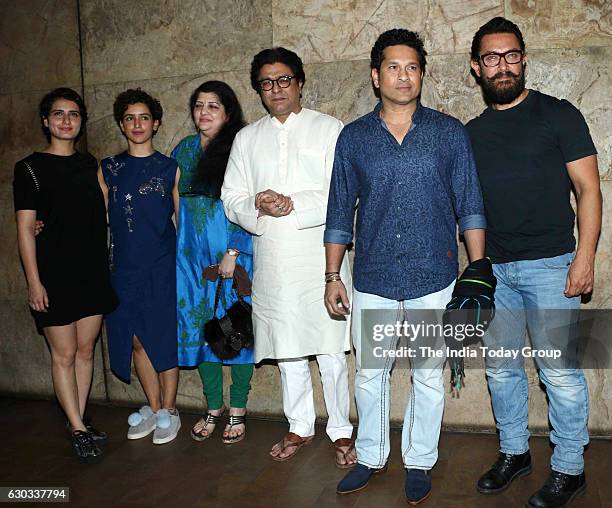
{"x":294,"y":158}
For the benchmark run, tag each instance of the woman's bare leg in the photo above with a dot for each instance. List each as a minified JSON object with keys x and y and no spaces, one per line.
{"x":63,"y":343}
{"x":87,"y":332}
{"x":147,"y":375}
{"x":169,"y":382}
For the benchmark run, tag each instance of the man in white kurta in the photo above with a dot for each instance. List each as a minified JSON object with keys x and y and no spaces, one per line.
{"x":276,"y":187}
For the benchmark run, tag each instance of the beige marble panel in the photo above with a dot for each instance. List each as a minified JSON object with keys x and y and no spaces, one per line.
{"x":39,"y":45}
{"x":25,"y":362}
{"x":449,"y":87}
{"x":142,"y":39}
{"x":602,"y":293}
{"x":562,"y":23}
{"x":14,"y":285}
{"x":341,"y":89}
{"x":20,"y":132}
{"x":332,"y":30}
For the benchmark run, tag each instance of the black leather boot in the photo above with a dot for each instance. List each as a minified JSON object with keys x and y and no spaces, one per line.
{"x":559,"y":490}
{"x":507,"y":468}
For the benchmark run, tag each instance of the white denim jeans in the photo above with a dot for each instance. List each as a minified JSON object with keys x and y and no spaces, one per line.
{"x":298,"y":401}
{"x":423,"y":416}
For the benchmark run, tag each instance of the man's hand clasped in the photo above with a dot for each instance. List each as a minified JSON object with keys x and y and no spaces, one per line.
{"x":273,"y":204}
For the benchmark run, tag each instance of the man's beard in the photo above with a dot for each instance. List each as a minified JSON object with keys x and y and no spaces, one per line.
{"x":496,"y":94}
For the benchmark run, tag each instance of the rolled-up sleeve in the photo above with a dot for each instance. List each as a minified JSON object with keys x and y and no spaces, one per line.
{"x":343,"y":194}
{"x":467,"y":196}
{"x":472,"y":222}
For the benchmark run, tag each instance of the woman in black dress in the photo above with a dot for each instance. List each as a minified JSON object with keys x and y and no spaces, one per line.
{"x":66,"y":265}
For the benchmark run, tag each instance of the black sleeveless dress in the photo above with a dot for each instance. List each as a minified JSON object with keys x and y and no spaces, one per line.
{"x":71,"y":250}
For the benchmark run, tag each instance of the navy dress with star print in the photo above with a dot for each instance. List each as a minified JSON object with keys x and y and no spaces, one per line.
{"x":143,"y":259}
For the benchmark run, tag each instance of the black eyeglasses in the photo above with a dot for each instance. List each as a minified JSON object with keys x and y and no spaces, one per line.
{"x":268,"y":84}
{"x":513,"y":56}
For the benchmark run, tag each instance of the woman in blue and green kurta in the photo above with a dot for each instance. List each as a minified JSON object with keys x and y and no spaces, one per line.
{"x":206,"y":237}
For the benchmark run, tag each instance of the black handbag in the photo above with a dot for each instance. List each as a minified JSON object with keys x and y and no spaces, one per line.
{"x":228,"y":335}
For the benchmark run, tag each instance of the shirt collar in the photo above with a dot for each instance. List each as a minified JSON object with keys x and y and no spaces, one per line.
{"x":416,"y":116}
{"x":287,"y":123}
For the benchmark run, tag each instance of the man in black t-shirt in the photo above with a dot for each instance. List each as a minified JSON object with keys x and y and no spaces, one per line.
{"x":530,"y":149}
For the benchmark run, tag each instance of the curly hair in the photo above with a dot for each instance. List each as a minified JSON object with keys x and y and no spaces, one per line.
{"x":396,"y":37}
{"x":46,"y":103}
{"x":276,"y":55}
{"x":497,"y":25}
{"x":131,"y":96}
{"x":208,"y":177}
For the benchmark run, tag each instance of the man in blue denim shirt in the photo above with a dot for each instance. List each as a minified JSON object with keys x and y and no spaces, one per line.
{"x":411,"y":169}
{"x":530,"y":149}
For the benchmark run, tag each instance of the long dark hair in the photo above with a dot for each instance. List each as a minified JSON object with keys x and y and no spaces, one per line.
{"x":208,"y":178}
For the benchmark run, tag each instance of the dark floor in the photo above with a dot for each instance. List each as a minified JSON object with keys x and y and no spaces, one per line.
{"x":36,"y":452}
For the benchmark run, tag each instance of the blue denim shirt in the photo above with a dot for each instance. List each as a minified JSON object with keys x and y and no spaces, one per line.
{"x":411,"y":197}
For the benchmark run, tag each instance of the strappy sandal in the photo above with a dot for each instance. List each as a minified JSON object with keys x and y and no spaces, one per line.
{"x":292,"y":442}
{"x":203,"y":423}
{"x":337,"y":445}
{"x":235,"y":420}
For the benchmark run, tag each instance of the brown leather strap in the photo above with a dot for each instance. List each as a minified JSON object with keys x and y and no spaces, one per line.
{"x":294,"y":439}
{"x":343,"y":441}
{"x":217,"y":295}
{"x":240,"y":282}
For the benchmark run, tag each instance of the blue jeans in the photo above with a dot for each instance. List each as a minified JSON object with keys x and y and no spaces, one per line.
{"x":525,"y":291}
{"x":423,"y":416}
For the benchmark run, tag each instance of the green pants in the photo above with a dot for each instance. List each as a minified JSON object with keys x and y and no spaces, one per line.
{"x":211,"y":374}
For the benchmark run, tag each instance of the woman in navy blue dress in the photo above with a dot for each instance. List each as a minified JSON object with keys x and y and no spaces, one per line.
{"x":140,"y":186}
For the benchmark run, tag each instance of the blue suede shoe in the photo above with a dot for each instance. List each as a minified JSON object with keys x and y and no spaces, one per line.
{"x":417,"y":485}
{"x":357,"y":478}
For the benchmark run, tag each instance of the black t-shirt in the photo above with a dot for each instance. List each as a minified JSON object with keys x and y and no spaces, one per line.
{"x":520,"y":155}
{"x":65,"y":193}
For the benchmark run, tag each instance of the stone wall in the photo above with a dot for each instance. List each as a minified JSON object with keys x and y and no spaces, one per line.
{"x":170,"y":47}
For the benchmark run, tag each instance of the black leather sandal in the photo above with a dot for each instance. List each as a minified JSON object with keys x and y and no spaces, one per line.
{"x":203,"y":423}
{"x":235,"y":420}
